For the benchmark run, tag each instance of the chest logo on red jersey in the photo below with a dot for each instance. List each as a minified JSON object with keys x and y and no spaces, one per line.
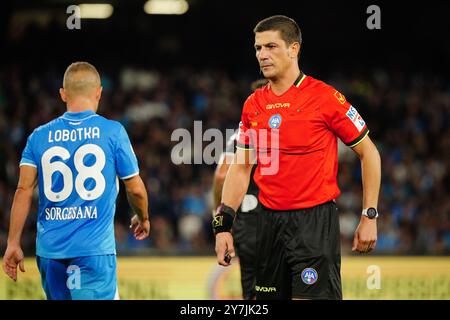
{"x":340,"y":97}
{"x":277,"y":105}
{"x":275,"y":121}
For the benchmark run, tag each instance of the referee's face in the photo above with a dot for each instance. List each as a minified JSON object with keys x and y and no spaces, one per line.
{"x":272,"y":53}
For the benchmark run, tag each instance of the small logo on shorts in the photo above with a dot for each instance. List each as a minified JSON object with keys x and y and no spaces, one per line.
{"x":265,"y":289}
{"x":275,"y":121}
{"x":309,"y":276}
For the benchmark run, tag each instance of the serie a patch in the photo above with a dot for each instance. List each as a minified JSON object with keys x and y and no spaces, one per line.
{"x":356,"y":119}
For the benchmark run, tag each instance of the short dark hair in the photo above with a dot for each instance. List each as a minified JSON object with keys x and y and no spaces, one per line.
{"x":289,"y":29}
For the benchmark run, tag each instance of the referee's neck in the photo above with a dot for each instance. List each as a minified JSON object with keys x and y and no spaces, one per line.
{"x":281,"y":84}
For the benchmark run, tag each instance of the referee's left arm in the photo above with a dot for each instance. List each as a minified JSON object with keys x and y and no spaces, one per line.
{"x":366,"y":233}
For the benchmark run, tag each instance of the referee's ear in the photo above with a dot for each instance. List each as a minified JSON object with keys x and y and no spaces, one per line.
{"x":294,"y":50}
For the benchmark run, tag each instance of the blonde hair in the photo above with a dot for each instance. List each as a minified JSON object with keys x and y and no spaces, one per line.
{"x":81,"y":78}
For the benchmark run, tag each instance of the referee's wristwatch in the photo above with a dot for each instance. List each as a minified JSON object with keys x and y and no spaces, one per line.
{"x":370,"y":213}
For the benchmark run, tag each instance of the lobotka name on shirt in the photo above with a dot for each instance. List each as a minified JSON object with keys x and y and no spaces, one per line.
{"x":71,"y":213}
{"x":73,"y":135}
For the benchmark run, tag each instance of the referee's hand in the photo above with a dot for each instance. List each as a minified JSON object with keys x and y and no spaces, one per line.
{"x":365,"y":238}
{"x":224,"y":246}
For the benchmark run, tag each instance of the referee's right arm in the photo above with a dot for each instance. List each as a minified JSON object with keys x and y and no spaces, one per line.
{"x":234,"y":189}
{"x":238,"y":178}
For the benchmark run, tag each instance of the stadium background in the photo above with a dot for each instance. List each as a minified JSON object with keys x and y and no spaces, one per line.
{"x":161,"y":73}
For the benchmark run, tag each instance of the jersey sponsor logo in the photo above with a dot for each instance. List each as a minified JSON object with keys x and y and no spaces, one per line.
{"x":309,"y":276}
{"x":351,"y":113}
{"x":356,"y":119}
{"x":275,"y":121}
{"x":340,"y":97}
{"x":359,"y":123}
{"x":278,"y":105}
{"x":253,"y":123}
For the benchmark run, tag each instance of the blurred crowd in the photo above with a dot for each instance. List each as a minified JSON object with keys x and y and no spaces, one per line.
{"x":408,"y":116}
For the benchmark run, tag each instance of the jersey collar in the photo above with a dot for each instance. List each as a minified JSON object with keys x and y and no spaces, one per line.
{"x":299,"y":80}
{"x":296,"y":84}
{"x":78,"y":115}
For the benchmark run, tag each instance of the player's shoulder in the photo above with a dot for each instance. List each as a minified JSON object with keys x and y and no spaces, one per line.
{"x":44,"y":128}
{"x":312,"y":83}
{"x":249,"y":103}
{"x":257,"y":95}
{"x":261,"y":91}
{"x":109,"y":126}
{"x":113,"y":124}
{"x":323,"y":90}
{"x":250,"y":99}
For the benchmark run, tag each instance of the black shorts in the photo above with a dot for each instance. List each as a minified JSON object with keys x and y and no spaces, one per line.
{"x":299,"y":254}
{"x":244,"y":236}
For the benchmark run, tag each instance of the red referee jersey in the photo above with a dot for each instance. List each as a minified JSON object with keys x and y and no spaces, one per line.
{"x":307,"y":119}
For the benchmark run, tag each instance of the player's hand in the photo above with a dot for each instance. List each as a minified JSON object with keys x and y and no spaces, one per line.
{"x":365,"y":238}
{"x":224,"y":246}
{"x":13,"y":257}
{"x":141,"y":229}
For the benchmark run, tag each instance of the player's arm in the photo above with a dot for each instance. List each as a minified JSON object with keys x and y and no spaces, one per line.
{"x":238,"y":178}
{"x":219,"y":176}
{"x":366,"y":234}
{"x":138,"y":200}
{"x":19,"y":213}
{"x":234,"y":189}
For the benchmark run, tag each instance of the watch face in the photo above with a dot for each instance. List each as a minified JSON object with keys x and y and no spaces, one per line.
{"x":371,"y":213}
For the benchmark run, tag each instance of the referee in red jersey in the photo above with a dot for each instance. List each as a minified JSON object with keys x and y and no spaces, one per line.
{"x":298,"y":238}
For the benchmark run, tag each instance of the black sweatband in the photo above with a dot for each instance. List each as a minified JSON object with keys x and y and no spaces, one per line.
{"x":224,"y":218}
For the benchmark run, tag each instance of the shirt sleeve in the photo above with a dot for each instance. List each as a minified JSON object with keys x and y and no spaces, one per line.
{"x":28,"y":158}
{"x":126,"y":161}
{"x":343,"y":118}
{"x":244,"y":138}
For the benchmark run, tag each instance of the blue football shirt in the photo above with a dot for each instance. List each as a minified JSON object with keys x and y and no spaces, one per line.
{"x":79,"y":157}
